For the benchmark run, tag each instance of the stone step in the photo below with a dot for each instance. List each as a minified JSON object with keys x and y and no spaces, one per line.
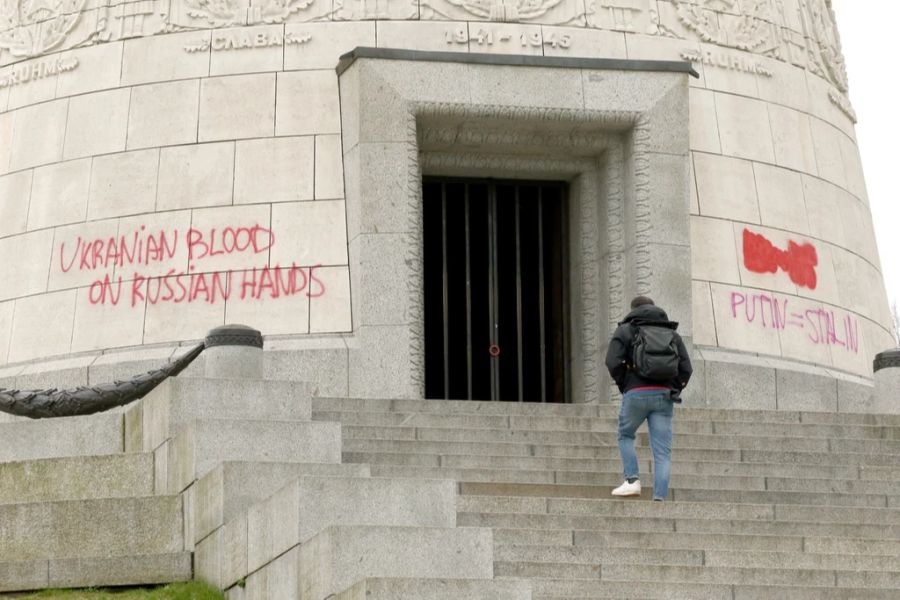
{"x":696,"y":488}
{"x":179,"y":401}
{"x":55,"y":438}
{"x":545,"y":558}
{"x":87,"y":571}
{"x":436,"y":589}
{"x":99,"y":528}
{"x":233,"y":487}
{"x":669,"y":540}
{"x":754,"y":576}
{"x":869,"y":500}
{"x":592,"y":555}
{"x":607,"y":436}
{"x":202,"y":445}
{"x":609,"y":452}
{"x":76,"y":478}
{"x":485,"y":501}
{"x":878,"y":453}
{"x":605,"y":410}
{"x":688,"y":493}
{"x":303,"y":508}
{"x":790,"y":592}
{"x":338,"y":558}
{"x":481,"y":475}
{"x":775,"y":560}
{"x":452,"y":406}
{"x":600,"y":523}
{"x":570,"y":589}
{"x":577,"y":470}
{"x":521,"y":449}
{"x":745,"y":429}
{"x":622,"y":538}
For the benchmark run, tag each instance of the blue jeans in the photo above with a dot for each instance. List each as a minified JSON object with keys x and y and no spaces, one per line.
{"x":656,"y":407}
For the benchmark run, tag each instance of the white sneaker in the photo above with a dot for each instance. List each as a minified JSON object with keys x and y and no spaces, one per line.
{"x":628,"y":489}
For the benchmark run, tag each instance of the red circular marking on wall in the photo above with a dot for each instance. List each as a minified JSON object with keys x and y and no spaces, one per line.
{"x":494,"y":350}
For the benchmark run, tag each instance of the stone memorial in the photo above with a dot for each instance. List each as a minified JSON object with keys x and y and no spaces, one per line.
{"x":170,"y":166}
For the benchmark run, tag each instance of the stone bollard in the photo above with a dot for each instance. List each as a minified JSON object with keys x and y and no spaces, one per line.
{"x":887,"y":381}
{"x":234,"y":352}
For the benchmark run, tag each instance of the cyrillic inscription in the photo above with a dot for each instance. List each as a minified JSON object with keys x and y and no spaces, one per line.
{"x":245,"y":41}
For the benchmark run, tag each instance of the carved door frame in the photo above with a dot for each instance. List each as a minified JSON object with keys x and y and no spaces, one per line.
{"x":626,"y":163}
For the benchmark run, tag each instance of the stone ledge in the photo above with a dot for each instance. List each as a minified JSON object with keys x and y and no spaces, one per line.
{"x":612,"y":64}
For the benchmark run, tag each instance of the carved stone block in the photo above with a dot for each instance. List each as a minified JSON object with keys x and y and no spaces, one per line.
{"x":248,"y":49}
{"x":43,"y":324}
{"x":726,"y":188}
{"x":713,"y":265}
{"x":131,"y":175}
{"x":329,"y":168}
{"x":308,"y":103}
{"x":97,"y":124}
{"x":274,"y":170}
{"x":99,"y":68}
{"x":32,"y":81}
{"x":196,"y":176}
{"x":232,"y":13}
{"x":59,"y":194}
{"x":330,"y":42}
{"x":314,"y":234}
{"x":631,"y":16}
{"x":331,"y":313}
{"x":827,"y":142}
{"x":236,"y":107}
{"x":744,"y":128}
{"x":361,"y":10}
{"x":15,"y":193}
{"x":589,"y":43}
{"x":6,"y":318}
{"x":164,"y":114}
{"x":163,"y":58}
{"x":548,"y":12}
{"x":37,"y":138}
{"x":105,"y":326}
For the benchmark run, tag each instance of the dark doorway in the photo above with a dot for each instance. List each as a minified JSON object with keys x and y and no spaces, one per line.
{"x":495,"y":290}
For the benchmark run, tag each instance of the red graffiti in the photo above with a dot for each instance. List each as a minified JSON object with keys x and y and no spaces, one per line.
{"x":141,"y":247}
{"x":823,"y":327}
{"x":798,"y":261}
{"x":178,"y":287}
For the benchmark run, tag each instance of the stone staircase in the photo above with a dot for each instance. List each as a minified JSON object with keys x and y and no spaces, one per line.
{"x":766,"y":504}
{"x":269,"y":493}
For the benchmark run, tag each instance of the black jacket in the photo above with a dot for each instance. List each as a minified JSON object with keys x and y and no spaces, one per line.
{"x":618,"y":356}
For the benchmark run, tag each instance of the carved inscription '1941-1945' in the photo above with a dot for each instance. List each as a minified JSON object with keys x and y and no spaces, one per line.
{"x":490,"y":37}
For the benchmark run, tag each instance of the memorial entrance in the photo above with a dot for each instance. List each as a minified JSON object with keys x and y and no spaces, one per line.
{"x":495,"y":290}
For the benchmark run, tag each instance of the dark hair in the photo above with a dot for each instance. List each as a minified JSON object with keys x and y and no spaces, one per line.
{"x":640,"y":301}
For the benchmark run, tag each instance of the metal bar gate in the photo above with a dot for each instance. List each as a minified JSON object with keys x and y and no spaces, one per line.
{"x":495,"y":290}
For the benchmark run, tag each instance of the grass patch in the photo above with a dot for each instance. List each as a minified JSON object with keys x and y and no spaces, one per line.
{"x":191,"y":590}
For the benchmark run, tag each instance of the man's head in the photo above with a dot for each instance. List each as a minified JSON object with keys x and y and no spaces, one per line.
{"x":640,"y":301}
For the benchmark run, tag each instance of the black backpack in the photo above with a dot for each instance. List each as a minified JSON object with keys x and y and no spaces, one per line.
{"x":654,"y":352}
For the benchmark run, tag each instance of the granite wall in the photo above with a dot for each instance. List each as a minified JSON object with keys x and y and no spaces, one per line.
{"x":167,"y":166}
